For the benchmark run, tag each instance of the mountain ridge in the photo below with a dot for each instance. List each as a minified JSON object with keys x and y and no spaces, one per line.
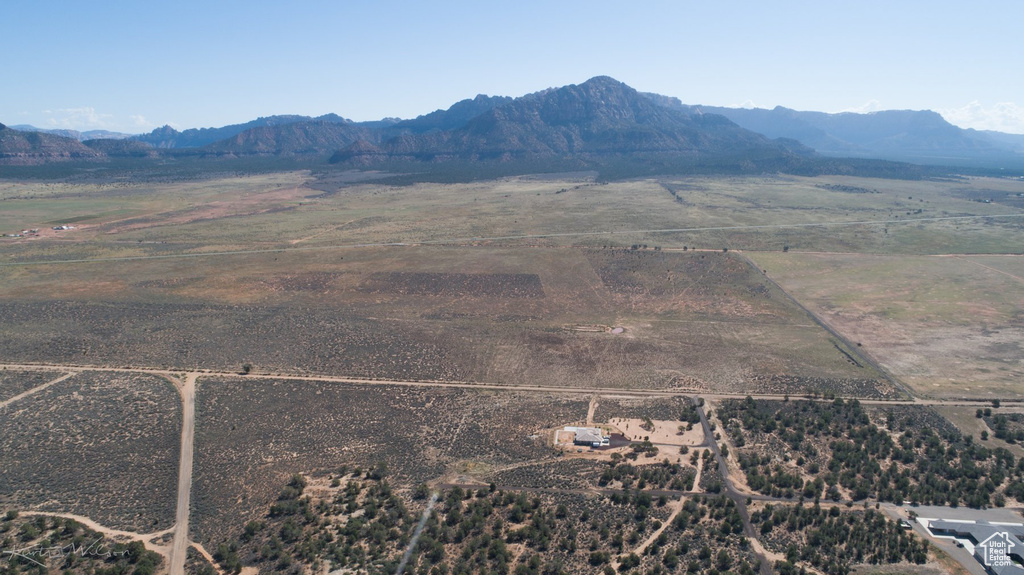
{"x":167,"y":137}
{"x":19,"y":148}
{"x":599,"y":120}
{"x":74,"y":134}
{"x":920,"y":136}
{"x":600,"y":117}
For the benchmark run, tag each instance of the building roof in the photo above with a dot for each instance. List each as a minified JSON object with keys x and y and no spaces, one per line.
{"x":588,"y":435}
{"x":984,"y":535}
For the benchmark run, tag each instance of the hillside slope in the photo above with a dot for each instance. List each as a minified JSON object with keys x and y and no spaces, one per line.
{"x":31,"y":148}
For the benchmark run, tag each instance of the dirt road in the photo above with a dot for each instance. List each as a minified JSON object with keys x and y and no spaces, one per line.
{"x":591,"y":409}
{"x":108,"y":531}
{"x":730,"y":488}
{"x":989,"y":268}
{"x":145,"y":538}
{"x":676,"y":507}
{"x":598,"y":391}
{"x":36,"y":389}
{"x":179,"y":548}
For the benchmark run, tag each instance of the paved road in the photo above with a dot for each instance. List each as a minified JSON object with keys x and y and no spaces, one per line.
{"x":179,"y":548}
{"x":959,"y":554}
{"x":997,"y":514}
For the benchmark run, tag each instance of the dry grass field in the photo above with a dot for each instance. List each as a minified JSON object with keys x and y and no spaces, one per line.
{"x":965,"y":419}
{"x":946,"y":326}
{"x":302,"y":210}
{"x":102,"y":445}
{"x":512,"y":281}
{"x":535,"y":316}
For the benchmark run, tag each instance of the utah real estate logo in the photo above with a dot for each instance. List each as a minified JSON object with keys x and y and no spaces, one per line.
{"x":997,"y":549}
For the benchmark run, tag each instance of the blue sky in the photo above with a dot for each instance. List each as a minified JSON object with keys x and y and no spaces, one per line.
{"x":132,"y":66}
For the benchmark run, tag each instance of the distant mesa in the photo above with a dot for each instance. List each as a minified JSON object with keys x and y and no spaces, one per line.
{"x":899,"y":135}
{"x":312,"y":137}
{"x":34,"y":148}
{"x":167,"y":137}
{"x":73,"y":134}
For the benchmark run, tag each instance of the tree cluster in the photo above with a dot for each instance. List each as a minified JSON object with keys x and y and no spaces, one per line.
{"x":838,"y":446}
{"x":832,"y":541}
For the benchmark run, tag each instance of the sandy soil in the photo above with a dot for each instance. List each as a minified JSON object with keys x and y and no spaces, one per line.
{"x":180,"y":545}
{"x":664,"y":432}
{"x":564,"y":438}
{"x":700,"y":470}
{"x":248,"y":205}
{"x":736,"y":473}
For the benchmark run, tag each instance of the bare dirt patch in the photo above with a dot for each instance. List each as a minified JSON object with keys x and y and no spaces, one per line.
{"x":243,"y":206}
{"x":659,"y":432}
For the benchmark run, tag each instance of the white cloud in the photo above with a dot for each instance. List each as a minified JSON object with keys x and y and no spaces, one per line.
{"x":88,"y":118}
{"x":1001,"y":117}
{"x":84,"y":118}
{"x":865,"y":108}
